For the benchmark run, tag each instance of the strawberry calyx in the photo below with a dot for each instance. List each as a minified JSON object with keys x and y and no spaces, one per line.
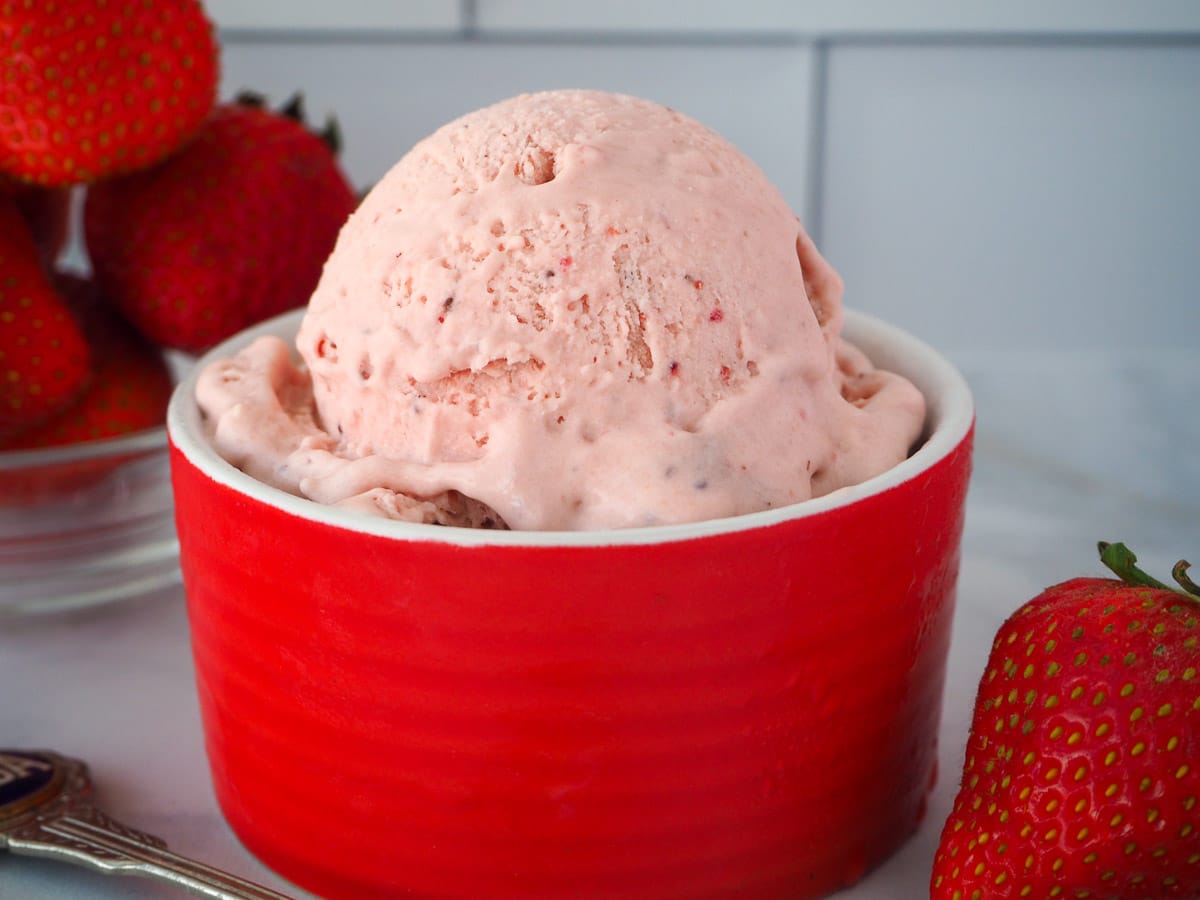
{"x":330,"y":135}
{"x":294,"y":109}
{"x":1123,"y":563}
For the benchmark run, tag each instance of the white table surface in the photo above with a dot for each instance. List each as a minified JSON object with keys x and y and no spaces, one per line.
{"x":1070,"y":449}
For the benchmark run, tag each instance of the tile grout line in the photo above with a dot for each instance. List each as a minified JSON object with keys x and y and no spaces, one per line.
{"x":818,"y":95}
{"x":468,"y":14}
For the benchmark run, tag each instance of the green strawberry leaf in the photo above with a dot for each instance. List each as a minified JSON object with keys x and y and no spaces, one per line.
{"x":1123,"y":563}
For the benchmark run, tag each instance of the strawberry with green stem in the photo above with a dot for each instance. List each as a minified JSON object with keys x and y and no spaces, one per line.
{"x":232,"y":230}
{"x":1082,"y":771}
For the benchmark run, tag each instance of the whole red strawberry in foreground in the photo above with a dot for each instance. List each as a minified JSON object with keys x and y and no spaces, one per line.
{"x":44,"y":360}
{"x":234,"y":229}
{"x":1082,"y":774}
{"x":98,"y":87}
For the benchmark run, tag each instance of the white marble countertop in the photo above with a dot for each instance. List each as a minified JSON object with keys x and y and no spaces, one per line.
{"x":1070,"y":449}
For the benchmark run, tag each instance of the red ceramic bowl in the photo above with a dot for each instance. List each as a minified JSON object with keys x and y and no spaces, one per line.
{"x":745,"y":707}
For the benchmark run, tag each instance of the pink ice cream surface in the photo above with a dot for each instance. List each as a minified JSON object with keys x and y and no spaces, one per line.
{"x":570,"y":310}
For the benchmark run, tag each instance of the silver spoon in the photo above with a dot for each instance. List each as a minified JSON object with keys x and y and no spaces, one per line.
{"x":46,"y":810}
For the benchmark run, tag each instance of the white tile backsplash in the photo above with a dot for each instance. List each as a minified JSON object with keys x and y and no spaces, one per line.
{"x":721,"y":17}
{"x":838,"y":17}
{"x":1010,"y":196}
{"x":321,"y":16}
{"x":1025,"y":176}
{"x":680,"y":16}
{"x":389,"y":95}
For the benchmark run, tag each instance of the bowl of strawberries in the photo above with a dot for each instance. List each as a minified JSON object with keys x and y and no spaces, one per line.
{"x":141,"y":221}
{"x":85,"y":510}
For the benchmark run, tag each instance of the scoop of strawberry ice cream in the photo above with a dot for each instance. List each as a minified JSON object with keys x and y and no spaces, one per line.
{"x":570,"y":310}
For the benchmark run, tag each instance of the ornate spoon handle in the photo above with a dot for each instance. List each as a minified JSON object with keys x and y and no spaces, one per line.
{"x":45,"y":810}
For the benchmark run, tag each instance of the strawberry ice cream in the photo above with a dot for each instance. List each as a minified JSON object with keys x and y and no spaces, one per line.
{"x":570,"y":310}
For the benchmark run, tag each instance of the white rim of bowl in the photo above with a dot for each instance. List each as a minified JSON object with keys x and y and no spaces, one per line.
{"x":950,"y":412}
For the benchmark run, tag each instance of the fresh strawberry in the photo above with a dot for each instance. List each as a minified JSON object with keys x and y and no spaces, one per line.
{"x":1082,"y":775}
{"x":44,"y":359}
{"x":128,"y":395}
{"x":234,"y":229}
{"x":101,"y":87}
{"x":129,"y":390}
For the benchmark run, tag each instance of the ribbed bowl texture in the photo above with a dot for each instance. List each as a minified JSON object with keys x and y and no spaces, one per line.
{"x":745,"y":707}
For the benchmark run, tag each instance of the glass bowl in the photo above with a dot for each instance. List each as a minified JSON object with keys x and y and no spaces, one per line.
{"x":86,"y":524}
{"x":90,"y":523}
